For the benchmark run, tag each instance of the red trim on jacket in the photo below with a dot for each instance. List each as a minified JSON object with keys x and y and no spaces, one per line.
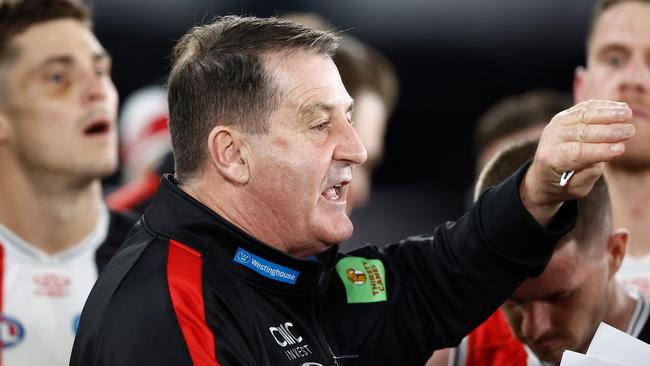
{"x":493,"y":343}
{"x":184,"y":271}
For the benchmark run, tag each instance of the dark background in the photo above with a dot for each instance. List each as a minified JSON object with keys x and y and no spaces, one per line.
{"x":454,"y":58}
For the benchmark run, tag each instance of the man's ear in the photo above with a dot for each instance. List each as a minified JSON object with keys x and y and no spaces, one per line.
{"x":616,"y":249}
{"x":5,"y":129}
{"x":579,"y":84}
{"x":227,"y":153}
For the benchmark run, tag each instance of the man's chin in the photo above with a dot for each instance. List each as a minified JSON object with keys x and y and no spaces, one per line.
{"x":553,"y":358}
{"x":336,"y":231}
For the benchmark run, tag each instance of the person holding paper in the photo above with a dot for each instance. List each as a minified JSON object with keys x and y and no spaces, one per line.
{"x":562,"y":308}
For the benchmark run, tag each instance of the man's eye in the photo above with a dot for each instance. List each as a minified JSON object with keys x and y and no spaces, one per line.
{"x":615,"y":61}
{"x":102,"y":71}
{"x":55,"y":78}
{"x":560,"y":296}
{"x":321,"y":126}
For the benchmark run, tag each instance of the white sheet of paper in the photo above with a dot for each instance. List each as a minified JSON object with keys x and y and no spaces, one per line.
{"x":611,"y":344}
{"x":570,"y":358}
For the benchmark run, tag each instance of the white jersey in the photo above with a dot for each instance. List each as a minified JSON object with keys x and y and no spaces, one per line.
{"x":41,"y":297}
{"x":636,"y":271}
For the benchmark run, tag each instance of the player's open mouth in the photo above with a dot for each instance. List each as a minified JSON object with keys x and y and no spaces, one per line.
{"x":96,"y":128}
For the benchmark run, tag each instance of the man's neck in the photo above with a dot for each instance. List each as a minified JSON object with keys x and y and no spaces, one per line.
{"x":630,"y":194}
{"x":51,"y":212}
{"x":621,"y":308}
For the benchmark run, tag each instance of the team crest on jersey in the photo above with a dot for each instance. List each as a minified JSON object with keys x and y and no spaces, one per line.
{"x":75,"y":323}
{"x":364,"y":279}
{"x":11,"y":332}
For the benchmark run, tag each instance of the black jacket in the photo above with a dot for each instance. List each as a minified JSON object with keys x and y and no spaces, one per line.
{"x":189,"y":287}
{"x":119,"y":225}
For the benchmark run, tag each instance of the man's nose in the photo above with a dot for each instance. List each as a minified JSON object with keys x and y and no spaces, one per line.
{"x":97,"y":86}
{"x":349,"y":148}
{"x":535,"y":322}
{"x":636,"y":78}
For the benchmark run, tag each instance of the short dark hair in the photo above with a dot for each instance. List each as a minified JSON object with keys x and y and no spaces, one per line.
{"x":599,"y":8}
{"x":18,"y":15}
{"x":518,"y":112}
{"x":594,"y":210}
{"x":219,"y":76}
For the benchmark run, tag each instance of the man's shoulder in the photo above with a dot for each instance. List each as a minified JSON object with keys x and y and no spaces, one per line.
{"x":129,"y":302}
{"x":119,"y":225}
{"x":121,"y":267}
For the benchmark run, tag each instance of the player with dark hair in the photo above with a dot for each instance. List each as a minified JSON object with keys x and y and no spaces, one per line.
{"x":57,"y":140}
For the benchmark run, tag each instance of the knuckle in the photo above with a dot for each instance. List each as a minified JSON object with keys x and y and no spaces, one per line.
{"x":575,"y":153}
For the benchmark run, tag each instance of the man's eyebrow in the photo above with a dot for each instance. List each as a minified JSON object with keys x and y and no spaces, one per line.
{"x":102,"y":55}
{"x":69,"y":60}
{"x":315,"y":107}
{"x":322,"y":107}
{"x":350,"y":109}
{"x":64,"y":59}
{"x":612,"y":47}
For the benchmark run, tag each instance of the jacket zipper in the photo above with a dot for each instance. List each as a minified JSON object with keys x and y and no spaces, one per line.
{"x":320,"y":294}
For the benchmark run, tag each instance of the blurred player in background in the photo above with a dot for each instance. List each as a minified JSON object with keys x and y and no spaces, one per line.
{"x":58,"y":139}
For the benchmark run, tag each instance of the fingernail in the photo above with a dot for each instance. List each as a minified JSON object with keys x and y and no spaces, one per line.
{"x":628,"y":130}
{"x":616,"y":148}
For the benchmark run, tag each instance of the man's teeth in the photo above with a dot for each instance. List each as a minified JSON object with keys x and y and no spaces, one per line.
{"x":333,"y":193}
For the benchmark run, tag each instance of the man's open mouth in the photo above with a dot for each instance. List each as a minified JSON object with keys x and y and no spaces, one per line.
{"x":335,"y":192}
{"x":97,"y":127}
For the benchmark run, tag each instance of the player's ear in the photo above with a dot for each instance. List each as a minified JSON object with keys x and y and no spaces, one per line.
{"x":616,"y":249}
{"x":5,"y":128}
{"x":579,"y":78}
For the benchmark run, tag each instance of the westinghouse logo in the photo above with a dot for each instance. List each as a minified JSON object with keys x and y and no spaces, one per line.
{"x":244,"y":257}
{"x":266,"y":268}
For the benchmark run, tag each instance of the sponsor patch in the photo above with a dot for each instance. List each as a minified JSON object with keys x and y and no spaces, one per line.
{"x":11,"y":332}
{"x":51,"y":284}
{"x":75,"y":323}
{"x":364,"y":279}
{"x":266,"y":268}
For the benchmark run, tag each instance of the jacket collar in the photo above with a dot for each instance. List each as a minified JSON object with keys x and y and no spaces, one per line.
{"x":174,"y":214}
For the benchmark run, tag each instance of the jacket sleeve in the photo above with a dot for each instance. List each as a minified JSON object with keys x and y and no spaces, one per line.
{"x":447,"y":283}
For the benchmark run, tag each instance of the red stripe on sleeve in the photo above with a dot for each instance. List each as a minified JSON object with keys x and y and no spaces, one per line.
{"x":184,"y":272}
